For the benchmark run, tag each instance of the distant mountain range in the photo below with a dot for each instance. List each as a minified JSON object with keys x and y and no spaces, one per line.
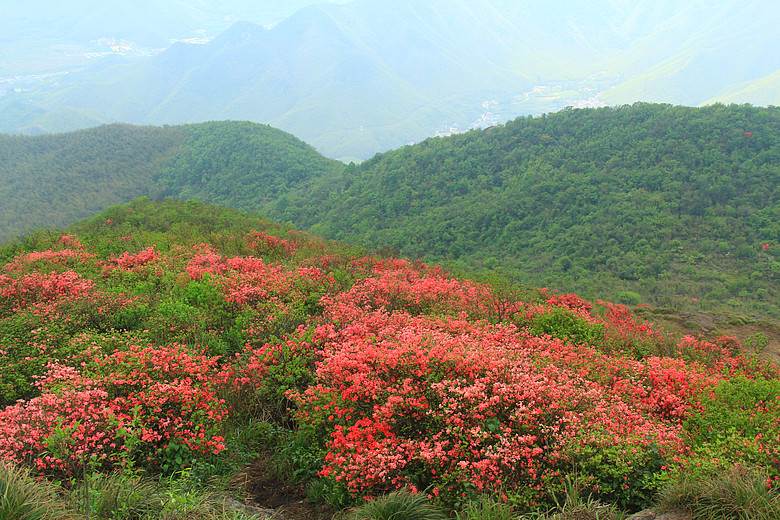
{"x":371,"y":75}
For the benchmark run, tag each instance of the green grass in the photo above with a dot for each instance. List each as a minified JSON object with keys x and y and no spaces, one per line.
{"x":24,"y":498}
{"x":400,"y":505}
{"x":739,"y":494}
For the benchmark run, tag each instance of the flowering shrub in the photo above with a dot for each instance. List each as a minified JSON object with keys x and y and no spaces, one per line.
{"x":395,"y":373}
{"x":62,"y":257}
{"x":128,"y":261}
{"x":396,"y":285}
{"x":42,"y":291}
{"x":265,"y":244}
{"x":153,"y":405}
{"x":457,"y":406}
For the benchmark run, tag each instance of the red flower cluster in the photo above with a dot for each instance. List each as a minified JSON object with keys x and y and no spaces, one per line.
{"x":458,"y":405}
{"x":250,"y":280}
{"x":129,"y":261}
{"x":66,"y":257}
{"x":263,"y":243}
{"x":398,"y":284}
{"x":42,"y":290}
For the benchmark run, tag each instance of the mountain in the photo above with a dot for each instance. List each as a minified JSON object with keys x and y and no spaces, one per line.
{"x":656,"y":203}
{"x":372,"y":75}
{"x":672,"y":203}
{"x":54,"y":180}
{"x":49,"y":36}
{"x":765,"y":91}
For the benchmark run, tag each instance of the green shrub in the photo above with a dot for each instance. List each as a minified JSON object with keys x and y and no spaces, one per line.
{"x":727,"y":429}
{"x":626,"y":475}
{"x":24,"y":498}
{"x":628,"y":298}
{"x":564,"y":324}
{"x":400,"y":505}
{"x":757,"y":342}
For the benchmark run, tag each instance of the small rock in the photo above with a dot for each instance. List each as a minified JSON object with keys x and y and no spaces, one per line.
{"x":674,"y":515}
{"x":649,"y":514}
{"x":261,"y":512}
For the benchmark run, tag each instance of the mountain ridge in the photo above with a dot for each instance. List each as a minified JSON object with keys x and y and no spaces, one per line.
{"x":367,"y":77}
{"x":670,"y":205}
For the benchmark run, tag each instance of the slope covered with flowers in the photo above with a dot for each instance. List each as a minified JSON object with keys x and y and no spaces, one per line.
{"x":142,"y":338}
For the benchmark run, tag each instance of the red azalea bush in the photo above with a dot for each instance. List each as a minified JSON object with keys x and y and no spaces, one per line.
{"x":154,"y":405}
{"x":459,"y":407}
{"x":43,"y":291}
{"x":265,"y":244}
{"x":400,"y":285}
{"x":62,"y":257}
{"x":129,"y":261}
{"x":280,"y":297}
{"x":406,"y":377}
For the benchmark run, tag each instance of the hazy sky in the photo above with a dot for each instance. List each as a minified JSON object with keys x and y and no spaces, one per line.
{"x":368,"y":75}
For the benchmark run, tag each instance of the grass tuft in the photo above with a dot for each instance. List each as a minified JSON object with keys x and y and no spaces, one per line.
{"x":24,"y":498}
{"x":399,"y":505}
{"x":738,"y":494}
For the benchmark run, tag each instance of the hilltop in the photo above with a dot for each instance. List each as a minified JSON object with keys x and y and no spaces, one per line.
{"x":55,"y":180}
{"x":162,"y":357}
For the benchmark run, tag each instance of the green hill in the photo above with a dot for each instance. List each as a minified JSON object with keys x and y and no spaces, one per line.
{"x":654,"y":203}
{"x":669,"y":202}
{"x":54,"y":180}
{"x":172,"y":360}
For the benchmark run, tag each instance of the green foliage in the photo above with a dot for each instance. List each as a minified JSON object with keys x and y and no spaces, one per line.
{"x":486,"y":508}
{"x":757,"y":342}
{"x":24,"y":498}
{"x":728,"y":429}
{"x":400,"y":505}
{"x":738,"y":494}
{"x":626,"y":476}
{"x":628,"y":298}
{"x":564,"y":324}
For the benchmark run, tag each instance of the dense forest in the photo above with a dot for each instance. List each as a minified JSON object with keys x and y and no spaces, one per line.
{"x":675,"y":206}
{"x":175,"y":360}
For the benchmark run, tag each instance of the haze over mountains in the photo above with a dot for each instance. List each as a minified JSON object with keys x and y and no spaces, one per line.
{"x":370,"y":75}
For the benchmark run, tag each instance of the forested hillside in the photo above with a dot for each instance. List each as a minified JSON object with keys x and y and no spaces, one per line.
{"x":675,"y":206}
{"x":54,"y":180}
{"x":679,"y":205}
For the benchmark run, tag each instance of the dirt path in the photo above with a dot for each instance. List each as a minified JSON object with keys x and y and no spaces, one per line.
{"x":267,"y":491}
